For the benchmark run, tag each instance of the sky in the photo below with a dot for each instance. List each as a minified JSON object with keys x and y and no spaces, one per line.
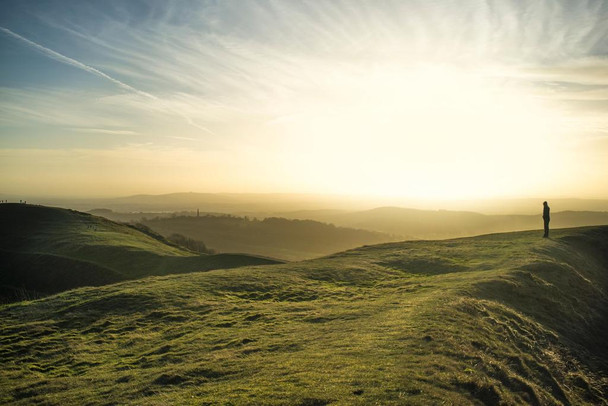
{"x":423,"y":99}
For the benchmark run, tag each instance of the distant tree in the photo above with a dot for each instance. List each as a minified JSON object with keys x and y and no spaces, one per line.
{"x":148,"y":231}
{"x":191,"y":244}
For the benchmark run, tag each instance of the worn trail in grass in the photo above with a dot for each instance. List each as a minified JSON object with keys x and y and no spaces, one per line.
{"x":508,"y":318}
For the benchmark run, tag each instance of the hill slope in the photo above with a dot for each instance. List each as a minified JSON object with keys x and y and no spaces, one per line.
{"x":47,"y":250}
{"x":506,"y":318}
{"x":274,"y":237}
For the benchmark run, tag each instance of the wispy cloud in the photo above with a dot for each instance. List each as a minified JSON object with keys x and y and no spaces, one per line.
{"x":77,"y":64}
{"x":105,"y":131}
{"x":583,"y":71}
{"x":260,"y":56}
{"x":72,"y":62}
{"x":316,"y":88}
{"x":222,"y":62}
{"x":183,"y":138}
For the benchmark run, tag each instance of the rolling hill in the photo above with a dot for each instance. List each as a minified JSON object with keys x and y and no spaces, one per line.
{"x":495,"y":319}
{"x":273,"y":237}
{"x":46,"y":250}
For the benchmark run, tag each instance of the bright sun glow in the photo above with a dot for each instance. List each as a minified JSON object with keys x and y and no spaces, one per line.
{"x":438,"y":100}
{"x":433,"y":132}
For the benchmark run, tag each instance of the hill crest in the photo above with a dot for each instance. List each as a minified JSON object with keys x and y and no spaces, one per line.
{"x":47,"y":250}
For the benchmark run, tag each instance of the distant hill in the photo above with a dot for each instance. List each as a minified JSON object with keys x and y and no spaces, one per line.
{"x":133,"y":217}
{"x":271,"y":204}
{"x":433,"y":224}
{"x":227,"y":203}
{"x":274,"y":237}
{"x":46,"y":250}
{"x":509,"y":319}
{"x":297,"y":240}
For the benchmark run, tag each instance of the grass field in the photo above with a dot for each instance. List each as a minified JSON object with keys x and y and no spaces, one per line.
{"x":497,"y":319}
{"x":48,"y":250}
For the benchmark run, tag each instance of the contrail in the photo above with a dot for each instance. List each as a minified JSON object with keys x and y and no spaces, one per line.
{"x":73,"y":62}
{"x":77,"y":64}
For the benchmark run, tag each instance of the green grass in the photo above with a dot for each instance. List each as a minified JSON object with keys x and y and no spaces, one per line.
{"x":498,"y":319}
{"x":47,"y":250}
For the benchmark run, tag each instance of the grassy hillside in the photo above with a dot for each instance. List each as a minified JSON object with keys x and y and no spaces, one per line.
{"x":47,"y":250}
{"x":273,"y":237}
{"x":496,"y":319}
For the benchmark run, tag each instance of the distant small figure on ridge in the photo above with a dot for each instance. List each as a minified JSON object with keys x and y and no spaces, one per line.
{"x":546,"y":218}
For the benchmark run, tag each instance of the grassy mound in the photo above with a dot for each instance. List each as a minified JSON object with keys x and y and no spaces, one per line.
{"x":498,"y":319}
{"x":47,"y":250}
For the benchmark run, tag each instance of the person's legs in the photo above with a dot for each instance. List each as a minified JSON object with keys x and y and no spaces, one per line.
{"x":546,"y":229}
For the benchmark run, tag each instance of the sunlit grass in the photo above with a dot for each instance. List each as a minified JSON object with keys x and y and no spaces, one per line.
{"x":509,"y":318}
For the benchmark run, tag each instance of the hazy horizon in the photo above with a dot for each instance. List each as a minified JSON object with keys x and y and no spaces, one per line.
{"x":305,"y":206}
{"x":454,"y":101}
{"x":354,"y":196}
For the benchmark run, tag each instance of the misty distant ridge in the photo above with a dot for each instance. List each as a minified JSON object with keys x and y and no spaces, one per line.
{"x":312,"y":233}
{"x":277,"y":204}
{"x":290,"y":239}
{"x":393,"y":221}
{"x":449,"y":224}
{"x":227,"y":203}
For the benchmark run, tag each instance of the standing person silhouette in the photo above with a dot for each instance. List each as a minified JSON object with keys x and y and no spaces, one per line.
{"x":546,"y":218}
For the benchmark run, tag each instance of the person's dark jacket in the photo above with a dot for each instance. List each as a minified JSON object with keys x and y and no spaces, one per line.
{"x":546,"y":216}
